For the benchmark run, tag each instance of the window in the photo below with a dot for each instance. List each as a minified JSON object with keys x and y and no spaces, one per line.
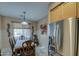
{"x":22,"y":33}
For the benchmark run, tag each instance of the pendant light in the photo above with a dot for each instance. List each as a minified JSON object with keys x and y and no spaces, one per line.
{"x":24,"y":22}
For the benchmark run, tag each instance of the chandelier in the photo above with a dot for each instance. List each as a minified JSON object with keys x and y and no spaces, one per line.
{"x":24,"y":21}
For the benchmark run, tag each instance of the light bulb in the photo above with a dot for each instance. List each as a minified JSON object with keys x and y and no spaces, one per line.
{"x":24,"y":23}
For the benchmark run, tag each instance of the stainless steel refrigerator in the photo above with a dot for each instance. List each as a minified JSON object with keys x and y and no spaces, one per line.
{"x":64,"y":37}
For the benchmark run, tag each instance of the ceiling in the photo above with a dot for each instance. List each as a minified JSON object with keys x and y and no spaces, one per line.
{"x":34,"y":10}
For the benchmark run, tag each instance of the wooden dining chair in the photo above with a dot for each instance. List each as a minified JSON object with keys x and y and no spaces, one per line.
{"x":17,"y":52}
{"x":14,"y":41}
{"x":11,"y":45}
{"x":28,"y":48}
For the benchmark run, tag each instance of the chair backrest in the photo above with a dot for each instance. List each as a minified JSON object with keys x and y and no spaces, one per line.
{"x":14,"y":41}
{"x":11,"y":43}
{"x":28,"y":48}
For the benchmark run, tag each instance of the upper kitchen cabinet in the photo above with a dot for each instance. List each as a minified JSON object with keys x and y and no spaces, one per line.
{"x":63,"y":11}
{"x":77,"y":10}
{"x":69,"y":10}
{"x":49,"y":17}
{"x":56,"y":14}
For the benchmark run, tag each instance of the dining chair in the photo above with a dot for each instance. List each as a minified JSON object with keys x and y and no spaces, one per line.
{"x":14,"y":41}
{"x":11,"y":45}
{"x":28,"y":48}
{"x":17,"y":52}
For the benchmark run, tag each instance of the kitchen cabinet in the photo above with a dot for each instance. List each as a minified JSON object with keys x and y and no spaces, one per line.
{"x":64,"y":11}
{"x":56,"y":14}
{"x":49,"y":17}
{"x":69,"y":10}
{"x":77,"y":10}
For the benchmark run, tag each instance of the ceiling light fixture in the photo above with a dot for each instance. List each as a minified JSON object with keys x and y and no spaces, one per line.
{"x":24,"y":22}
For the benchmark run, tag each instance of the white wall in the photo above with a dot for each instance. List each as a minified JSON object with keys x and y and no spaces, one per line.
{"x":43,"y":39}
{"x":4,"y":33}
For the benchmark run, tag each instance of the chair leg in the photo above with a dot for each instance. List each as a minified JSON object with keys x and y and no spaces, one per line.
{"x":13,"y":53}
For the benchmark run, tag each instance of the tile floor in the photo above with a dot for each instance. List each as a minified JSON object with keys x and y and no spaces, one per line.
{"x":40,"y":51}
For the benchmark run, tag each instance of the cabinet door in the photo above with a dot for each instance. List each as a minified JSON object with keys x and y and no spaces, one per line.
{"x":56,"y":14}
{"x":69,"y":10}
{"x":53,"y":16}
{"x":77,"y":10}
{"x":49,"y":17}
